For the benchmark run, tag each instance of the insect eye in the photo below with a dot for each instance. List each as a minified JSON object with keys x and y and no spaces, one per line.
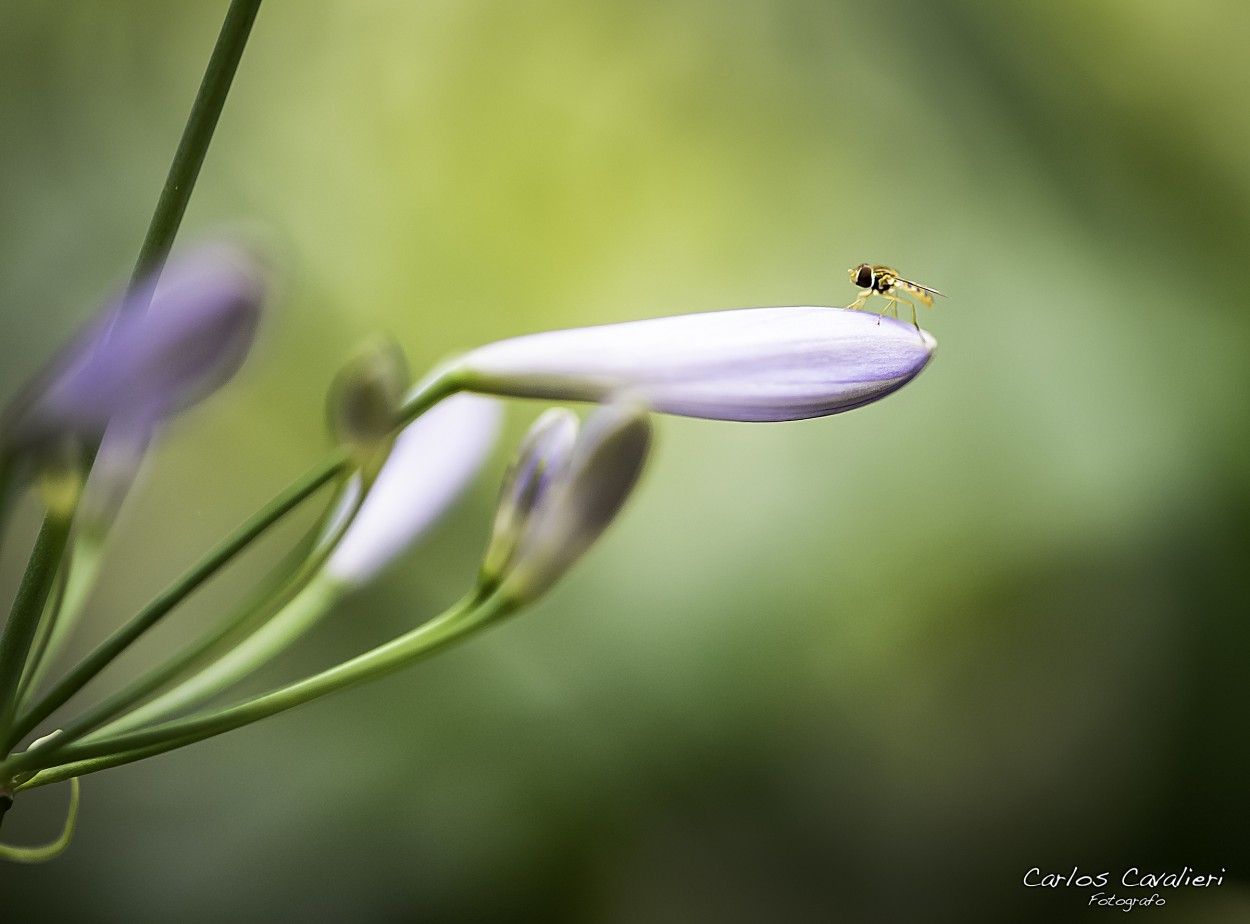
{"x":863,"y":276}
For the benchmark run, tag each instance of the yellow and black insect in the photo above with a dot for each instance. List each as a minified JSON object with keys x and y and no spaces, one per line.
{"x":887,"y":282}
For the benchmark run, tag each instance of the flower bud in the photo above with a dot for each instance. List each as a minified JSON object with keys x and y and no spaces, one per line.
{"x":541,"y":461}
{"x":365,"y":397}
{"x":749,"y":364}
{"x":163,"y":347}
{"x":433,"y":459}
{"x":573,"y":512}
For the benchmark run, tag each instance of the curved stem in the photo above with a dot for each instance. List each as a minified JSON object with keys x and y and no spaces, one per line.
{"x":115,"y":644}
{"x":462,"y":619}
{"x":291,"y":608}
{"x":442,"y":382}
{"x":291,"y":621}
{"x":56,"y":847}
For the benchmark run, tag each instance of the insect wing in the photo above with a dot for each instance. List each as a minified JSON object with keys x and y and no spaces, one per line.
{"x":916,"y":285}
{"x":924,"y":293}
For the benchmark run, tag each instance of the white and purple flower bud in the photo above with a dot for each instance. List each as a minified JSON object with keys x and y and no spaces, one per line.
{"x":541,"y":462}
{"x":433,"y":459}
{"x":748,"y":364}
{"x":163,"y":347}
{"x":574,"y":511}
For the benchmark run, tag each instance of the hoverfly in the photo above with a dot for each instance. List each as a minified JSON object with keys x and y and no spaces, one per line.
{"x":885,"y":281}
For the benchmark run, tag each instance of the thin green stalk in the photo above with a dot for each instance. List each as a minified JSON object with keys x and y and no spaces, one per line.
{"x":196,"y":136}
{"x":442,"y":382}
{"x":74,"y":582}
{"x":289,"y":608}
{"x":302,"y":605}
{"x":462,"y":619}
{"x":170,"y":208}
{"x":287,"y":625}
{"x":113,"y":646}
{"x":55,"y":848}
{"x":10,"y":487}
{"x":28,"y":607}
{"x":62,"y":772}
{"x":277,"y":587}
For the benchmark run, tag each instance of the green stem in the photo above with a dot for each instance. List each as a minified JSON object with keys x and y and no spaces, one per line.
{"x":442,"y":382}
{"x":56,"y":847}
{"x":62,"y":772}
{"x":291,"y":621}
{"x":28,"y":607}
{"x":302,"y":602}
{"x":460,"y":620}
{"x":10,"y":487}
{"x":196,"y":136}
{"x":170,"y":208}
{"x":115,"y":644}
{"x":291,"y":606}
{"x":74,"y":583}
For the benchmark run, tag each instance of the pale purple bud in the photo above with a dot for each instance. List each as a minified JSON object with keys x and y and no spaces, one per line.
{"x":749,"y":364}
{"x":541,"y":462}
{"x":161,"y":349}
{"x":434,"y":458}
{"x":574,"y":512}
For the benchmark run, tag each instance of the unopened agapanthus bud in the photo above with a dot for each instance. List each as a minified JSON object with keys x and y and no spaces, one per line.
{"x":750,"y":364}
{"x":164,"y":347}
{"x":574,"y":512}
{"x":432,"y":461}
{"x":365,"y":397}
{"x":541,"y":462}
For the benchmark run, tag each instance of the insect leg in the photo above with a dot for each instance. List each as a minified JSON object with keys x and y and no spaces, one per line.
{"x":890,"y":302}
{"x":859,"y":300}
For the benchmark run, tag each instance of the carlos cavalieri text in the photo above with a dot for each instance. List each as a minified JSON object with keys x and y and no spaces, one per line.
{"x":1131,"y":878}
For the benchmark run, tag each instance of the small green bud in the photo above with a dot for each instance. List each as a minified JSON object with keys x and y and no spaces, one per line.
{"x":365,"y":397}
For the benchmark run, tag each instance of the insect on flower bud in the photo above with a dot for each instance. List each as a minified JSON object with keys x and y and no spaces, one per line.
{"x":365,"y":396}
{"x":541,"y":461}
{"x":748,"y":364}
{"x":574,"y":512}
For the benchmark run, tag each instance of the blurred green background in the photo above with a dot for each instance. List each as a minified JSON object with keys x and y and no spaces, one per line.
{"x":868,"y":668}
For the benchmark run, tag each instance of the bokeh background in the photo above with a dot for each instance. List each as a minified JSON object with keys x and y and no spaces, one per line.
{"x":870,"y":668}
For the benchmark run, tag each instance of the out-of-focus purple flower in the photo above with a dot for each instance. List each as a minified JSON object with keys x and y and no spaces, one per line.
{"x":748,"y":364}
{"x":162,"y":348}
{"x":569,"y":515}
{"x":541,"y":462}
{"x":432,"y":461}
